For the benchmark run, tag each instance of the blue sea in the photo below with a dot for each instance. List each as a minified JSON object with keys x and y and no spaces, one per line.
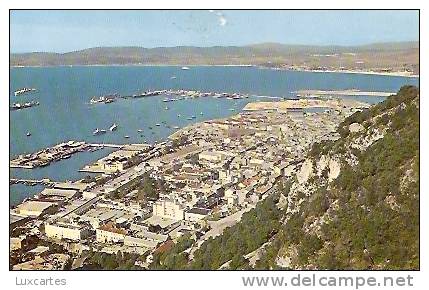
{"x":65,"y":114}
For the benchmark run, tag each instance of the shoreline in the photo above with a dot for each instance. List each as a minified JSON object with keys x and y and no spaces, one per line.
{"x":393,"y":74}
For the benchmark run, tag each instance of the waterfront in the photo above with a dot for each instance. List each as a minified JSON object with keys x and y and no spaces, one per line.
{"x":65,"y":112}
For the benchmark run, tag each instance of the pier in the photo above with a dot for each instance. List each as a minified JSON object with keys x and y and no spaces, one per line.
{"x":32,"y":182}
{"x":106,"y":145}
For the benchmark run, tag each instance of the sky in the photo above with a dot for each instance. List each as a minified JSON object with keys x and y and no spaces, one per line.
{"x":64,"y":31}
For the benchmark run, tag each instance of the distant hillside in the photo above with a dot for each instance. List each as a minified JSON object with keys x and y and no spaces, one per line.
{"x":392,"y":55}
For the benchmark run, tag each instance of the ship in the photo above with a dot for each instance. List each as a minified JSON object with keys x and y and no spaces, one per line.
{"x":23,"y":91}
{"x":98,"y":132}
{"x":19,"y":106}
{"x":113,"y":127}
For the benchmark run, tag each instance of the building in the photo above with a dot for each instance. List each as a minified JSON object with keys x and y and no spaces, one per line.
{"x":196,"y":214}
{"x":55,"y":192}
{"x":109,"y":233}
{"x":35,"y":208}
{"x":66,"y":230}
{"x":168,"y":209}
{"x":211,"y":156}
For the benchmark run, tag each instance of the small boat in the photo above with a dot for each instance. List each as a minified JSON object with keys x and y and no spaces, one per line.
{"x":185,"y":68}
{"x":150,"y":127}
{"x":28,"y":134}
{"x":113,"y":127}
{"x":166,"y":108}
{"x":193,"y":117}
{"x":178,"y":115}
{"x":189,"y":118}
{"x":232,"y":109}
{"x":176,"y":127}
{"x":157,"y":124}
{"x":140,"y":130}
{"x":65,"y":156}
{"x":126,"y":136}
{"x":98,"y":132}
{"x":23,"y":91}
{"x":201,"y":113}
{"x":173,"y":77}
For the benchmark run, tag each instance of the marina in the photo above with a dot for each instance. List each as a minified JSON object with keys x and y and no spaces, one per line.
{"x":48,"y":155}
{"x":143,"y":113}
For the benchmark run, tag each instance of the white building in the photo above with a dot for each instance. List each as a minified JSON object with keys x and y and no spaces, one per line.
{"x":64,"y":230}
{"x":168,"y":209}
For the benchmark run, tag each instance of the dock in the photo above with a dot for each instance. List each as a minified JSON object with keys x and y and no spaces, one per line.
{"x":31,"y":182}
{"x":349,"y":92}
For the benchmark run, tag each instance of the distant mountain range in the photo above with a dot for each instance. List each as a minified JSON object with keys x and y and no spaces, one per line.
{"x":386,"y":54}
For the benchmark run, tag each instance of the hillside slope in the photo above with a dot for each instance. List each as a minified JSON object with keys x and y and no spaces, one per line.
{"x":357,"y":205}
{"x":352,"y":203}
{"x":395,"y":56}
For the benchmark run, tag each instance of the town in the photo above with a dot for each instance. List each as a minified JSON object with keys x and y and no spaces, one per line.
{"x":145,"y":197}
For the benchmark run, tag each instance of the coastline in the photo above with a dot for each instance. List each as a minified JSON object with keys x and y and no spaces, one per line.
{"x":393,"y":74}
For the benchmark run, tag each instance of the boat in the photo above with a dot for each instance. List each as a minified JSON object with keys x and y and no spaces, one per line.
{"x":19,"y":106}
{"x":23,"y":91}
{"x":126,"y":136}
{"x":140,"y":130}
{"x":166,"y":108}
{"x":178,"y":115}
{"x":98,"y":132}
{"x":157,"y":124}
{"x":173,"y":77}
{"x":176,"y":127}
{"x":201,"y":113}
{"x":28,"y":134}
{"x":189,"y":118}
{"x":185,"y":68}
{"x":113,"y":127}
{"x":232,"y":109}
{"x":193,"y":117}
{"x":66,"y":156}
{"x":150,"y":127}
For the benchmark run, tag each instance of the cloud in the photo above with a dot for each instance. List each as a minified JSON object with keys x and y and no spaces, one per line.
{"x":222,"y":20}
{"x":220,"y":17}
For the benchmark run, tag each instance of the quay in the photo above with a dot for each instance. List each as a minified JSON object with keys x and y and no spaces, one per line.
{"x":105,"y":145}
{"x":31,"y":182}
{"x":350,"y":92}
{"x":46,"y":156}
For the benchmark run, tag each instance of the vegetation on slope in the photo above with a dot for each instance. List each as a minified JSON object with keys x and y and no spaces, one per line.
{"x":368,"y":218}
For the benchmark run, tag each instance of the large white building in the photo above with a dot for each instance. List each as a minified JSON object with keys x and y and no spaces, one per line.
{"x":64,"y":230}
{"x":168,"y":209}
{"x":35,"y":208}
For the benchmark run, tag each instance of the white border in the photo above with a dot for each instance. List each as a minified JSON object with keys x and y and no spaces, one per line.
{"x":192,"y":280}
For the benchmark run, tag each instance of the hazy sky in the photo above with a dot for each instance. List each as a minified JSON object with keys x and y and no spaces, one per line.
{"x":62,"y":31}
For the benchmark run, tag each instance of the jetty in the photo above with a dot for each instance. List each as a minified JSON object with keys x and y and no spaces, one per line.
{"x":32,"y":182}
{"x":348,"y":92}
{"x":46,"y":156}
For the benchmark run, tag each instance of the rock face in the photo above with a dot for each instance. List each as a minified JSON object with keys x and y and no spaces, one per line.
{"x":355,"y":128}
{"x":334,"y":169}
{"x":305,"y":172}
